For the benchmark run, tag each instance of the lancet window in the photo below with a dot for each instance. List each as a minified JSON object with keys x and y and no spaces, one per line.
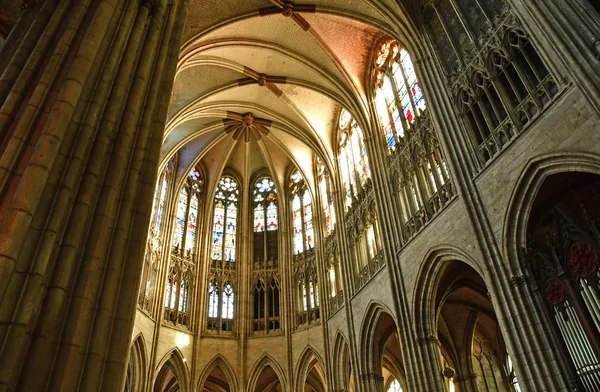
{"x":225,"y":216}
{"x":399,"y":98}
{"x":353,"y":159}
{"x":266,"y":305}
{"x":302,"y":214}
{"x":154,"y":244}
{"x":307,"y":292}
{"x":221,"y":305}
{"x":183,"y":263}
{"x":326,"y":191}
{"x":500,"y":80}
{"x":266,"y":222}
{"x":417,"y":166}
{"x":223,"y":255}
{"x":186,"y":218}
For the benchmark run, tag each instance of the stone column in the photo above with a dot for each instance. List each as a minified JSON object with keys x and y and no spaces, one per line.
{"x":83,"y":113}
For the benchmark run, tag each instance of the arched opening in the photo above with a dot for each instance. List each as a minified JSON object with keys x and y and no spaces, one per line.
{"x":343,"y":374}
{"x":167,"y":380}
{"x":563,"y":241}
{"x":315,"y":378}
{"x":472,"y":350}
{"x":268,"y":381}
{"x":382,"y":355}
{"x":216,"y":381}
{"x":172,"y":376}
{"x":136,"y":368}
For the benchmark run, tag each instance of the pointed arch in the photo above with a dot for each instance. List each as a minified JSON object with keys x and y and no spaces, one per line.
{"x":222,"y":363}
{"x":427,"y":283}
{"x":525,"y":191}
{"x":371,"y":350}
{"x":173,"y":362}
{"x":261,"y":364}
{"x":137,"y":369}
{"x":342,"y":365}
{"x":308,"y":360}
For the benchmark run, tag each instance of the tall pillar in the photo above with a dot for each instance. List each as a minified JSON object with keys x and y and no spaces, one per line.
{"x":84,"y":100}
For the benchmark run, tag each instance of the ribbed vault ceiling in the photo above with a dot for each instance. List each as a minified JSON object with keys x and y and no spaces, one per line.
{"x":294,"y":66}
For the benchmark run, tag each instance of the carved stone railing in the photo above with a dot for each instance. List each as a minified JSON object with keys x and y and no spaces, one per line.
{"x":433,"y":206}
{"x":369,"y":271}
{"x":336,"y":303}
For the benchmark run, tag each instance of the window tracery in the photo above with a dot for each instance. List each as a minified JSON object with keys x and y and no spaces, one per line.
{"x":500,"y":80}
{"x":266,"y":223}
{"x":223,"y":256}
{"x":183,"y":261}
{"x":302,"y":215}
{"x":353,"y":159}
{"x":326,"y":191}
{"x":399,"y":98}
{"x":154,"y":244}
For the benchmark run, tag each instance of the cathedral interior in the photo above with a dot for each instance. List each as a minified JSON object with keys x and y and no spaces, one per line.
{"x":308,"y":196}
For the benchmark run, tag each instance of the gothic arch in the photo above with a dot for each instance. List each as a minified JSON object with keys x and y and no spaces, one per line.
{"x":263,"y":362}
{"x":175,"y":362}
{"x":342,"y":365}
{"x":220,"y":362}
{"x":427,"y":283}
{"x":137,"y":369}
{"x":372,"y":343}
{"x":309,"y":359}
{"x":526,"y":190}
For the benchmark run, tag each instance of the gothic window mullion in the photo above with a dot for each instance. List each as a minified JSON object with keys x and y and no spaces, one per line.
{"x":465,"y":24}
{"x":185,"y":225}
{"x":395,"y":131}
{"x":408,"y":90}
{"x":505,"y":99}
{"x":397,"y":100}
{"x":451,"y":38}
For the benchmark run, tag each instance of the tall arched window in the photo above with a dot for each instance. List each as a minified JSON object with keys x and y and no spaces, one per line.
{"x":416,"y":164}
{"x":266,"y":223}
{"x":224,"y":236}
{"x":325,"y":188}
{"x":266,"y":306}
{"x":178,"y":291}
{"x":155,"y":239}
{"x":186,"y":219}
{"x":398,"y":96}
{"x":354,"y":162}
{"x":304,"y":235}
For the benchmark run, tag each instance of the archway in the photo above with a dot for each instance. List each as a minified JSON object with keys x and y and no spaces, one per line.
{"x":218,"y":376}
{"x":381,"y":356}
{"x":136,"y":368}
{"x":268,"y":381}
{"x":563,"y":241}
{"x":172,"y":376}
{"x":472,"y":349}
{"x":310,"y":376}
{"x":343,"y":374}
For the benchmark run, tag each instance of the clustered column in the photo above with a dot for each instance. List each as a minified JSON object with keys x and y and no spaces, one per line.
{"x":84,"y":101}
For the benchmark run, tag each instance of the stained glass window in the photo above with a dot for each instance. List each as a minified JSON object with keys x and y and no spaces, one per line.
{"x":162,"y":199}
{"x":213,"y":299}
{"x":395,"y":387}
{"x":302,"y":215}
{"x":326,"y":198}
{"x":398,"y":94}
{"x":265,"y":200}
{"x":186,"y":219}
{"x":180,"y":218}
{"x":225,"y":220}
{"x":332,"y":281}
{"x":227,"y":310}
{"x":190,"y":239}
{"x":354,"y":162}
